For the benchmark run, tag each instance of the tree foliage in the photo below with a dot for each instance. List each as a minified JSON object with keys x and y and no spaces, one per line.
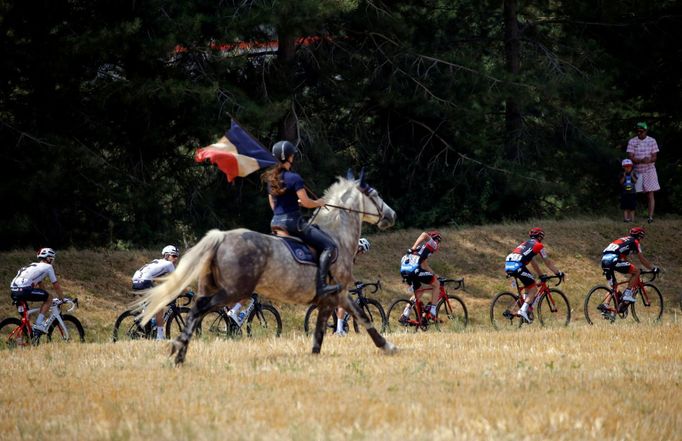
{"x":103,"y":103}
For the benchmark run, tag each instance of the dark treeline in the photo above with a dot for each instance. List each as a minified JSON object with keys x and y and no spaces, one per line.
{"x":462,"y":111}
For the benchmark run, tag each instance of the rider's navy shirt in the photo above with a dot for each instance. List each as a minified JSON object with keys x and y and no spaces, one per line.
{"x":288,"y":202}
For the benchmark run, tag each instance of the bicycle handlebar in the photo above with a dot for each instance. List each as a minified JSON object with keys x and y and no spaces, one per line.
{"x":544,"y":278}
{"x":72,"y":302}
{"x":188,"y":296}
{"x":445,"y":280}
{"x":360,"y":286}
{"x":654,"y":273}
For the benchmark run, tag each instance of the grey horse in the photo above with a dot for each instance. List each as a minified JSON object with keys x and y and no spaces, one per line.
{"x":230,"y":265}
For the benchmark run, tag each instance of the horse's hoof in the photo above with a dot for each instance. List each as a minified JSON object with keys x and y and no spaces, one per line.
{"x":389,"y":348}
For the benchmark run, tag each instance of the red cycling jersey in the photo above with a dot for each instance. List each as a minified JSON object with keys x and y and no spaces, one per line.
{"x":623,"y":246}
{"x":525,"y":252}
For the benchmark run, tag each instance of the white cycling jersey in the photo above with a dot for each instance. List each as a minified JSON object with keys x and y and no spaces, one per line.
{"x":33,"y":274}
{"x":154,"y":269}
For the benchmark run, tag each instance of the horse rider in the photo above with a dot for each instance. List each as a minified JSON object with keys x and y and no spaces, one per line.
{"x":286,"y":192}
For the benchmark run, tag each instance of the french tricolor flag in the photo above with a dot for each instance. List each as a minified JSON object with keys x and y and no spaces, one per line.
{"x":236,"y":154}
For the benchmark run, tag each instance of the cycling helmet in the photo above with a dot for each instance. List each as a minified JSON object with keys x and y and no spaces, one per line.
{"x":435,"y":235}
{"x":637,"y":232}
{"x":536,"y":233}
{"x":44,"y":253}
{"x":170,"y":249}
{"x":283,"y":149}
{"x":363,"y":245}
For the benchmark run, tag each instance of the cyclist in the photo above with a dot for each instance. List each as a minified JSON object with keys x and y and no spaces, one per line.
{"x":363,"y":247}
{"x":418,"y":274}
{"x":28,"y":285}
{"x":516,"y":261}
{"x":614,"y":258}
{"x":145,"y":276}
{"x":286,"y":192}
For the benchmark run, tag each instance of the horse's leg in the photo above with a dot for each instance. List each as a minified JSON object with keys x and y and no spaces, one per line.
{"x":203,"y":305}
{"x":359,"y":315}
{"x":324,"y":311}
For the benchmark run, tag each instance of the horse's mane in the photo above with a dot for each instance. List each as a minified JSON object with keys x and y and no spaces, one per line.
{"x":339,"y":187}
{"x":333,"y":196}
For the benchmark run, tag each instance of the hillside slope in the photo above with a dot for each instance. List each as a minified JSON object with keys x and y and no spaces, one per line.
{"x":101,"y":278}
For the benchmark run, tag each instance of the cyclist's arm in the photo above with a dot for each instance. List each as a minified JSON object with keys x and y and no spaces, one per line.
{"x":550,"y":264}
{"x":422,"y":237}
{"x":645,"y":261}
{"x":58,"y":288}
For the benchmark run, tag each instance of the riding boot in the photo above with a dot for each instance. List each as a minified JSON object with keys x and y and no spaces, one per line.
{"x":323,"y":289}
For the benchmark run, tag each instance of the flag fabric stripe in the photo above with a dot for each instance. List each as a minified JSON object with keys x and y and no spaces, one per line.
{"x":236,"y":154}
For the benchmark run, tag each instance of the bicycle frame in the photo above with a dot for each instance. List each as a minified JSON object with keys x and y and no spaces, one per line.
{"x":543,"y":291}
{"x":55,"y":314}
{"x":616,"y":293}
{"x":442,"y":295}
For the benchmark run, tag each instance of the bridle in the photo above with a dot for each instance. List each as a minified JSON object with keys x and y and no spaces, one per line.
{"x":369,"y":192}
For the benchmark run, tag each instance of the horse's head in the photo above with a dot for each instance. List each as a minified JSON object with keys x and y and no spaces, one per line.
{"x":376,"y":211}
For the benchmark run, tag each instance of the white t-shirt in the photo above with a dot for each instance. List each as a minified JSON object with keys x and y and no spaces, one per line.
{"x":33,"y":274}
{"x":154,"y":269}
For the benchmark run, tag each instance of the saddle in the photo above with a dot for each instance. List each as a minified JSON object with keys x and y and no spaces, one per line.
{"x":301,"y":251}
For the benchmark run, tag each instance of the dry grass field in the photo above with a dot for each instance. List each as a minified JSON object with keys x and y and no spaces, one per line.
{"x":619,"y":381}
{"x":578,"y":383}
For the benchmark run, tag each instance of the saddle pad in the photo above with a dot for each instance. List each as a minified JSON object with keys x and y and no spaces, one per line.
{"x":300,"y":251}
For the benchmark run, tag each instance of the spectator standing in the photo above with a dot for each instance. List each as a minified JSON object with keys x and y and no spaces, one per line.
{"x":628,"y":195}
{"x":642,"y":151}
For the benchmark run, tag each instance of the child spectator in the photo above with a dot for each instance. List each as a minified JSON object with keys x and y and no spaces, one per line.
{"x":628,"y":194}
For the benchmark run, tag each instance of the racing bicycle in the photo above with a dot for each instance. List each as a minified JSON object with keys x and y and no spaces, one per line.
{"x":451,"y":312}
{"x":550,"y":306}
{"x":605,"y":302}
{"x":63,"y":328}
{"x":372,"y":308}
{"x":261,"y":319}
{"x":128,"y":326}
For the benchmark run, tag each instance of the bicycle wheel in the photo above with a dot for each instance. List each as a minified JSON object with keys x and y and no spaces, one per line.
{"x":12,"y":335}
{"x":594,"y":312}
{"x":72,"y":332}
{"x":311,"y":319}
{"x":214,"y":325}
{"x":649,"y":305}
{"x":127,"y":327}
{"x":554,"y":310}
{"x":176,"y":322}
{"x":503,"y":311}
{"x":395,"y":311}
{"x":451,"y":315}
{"x":264,"y":321}
{"x":375,"y":313}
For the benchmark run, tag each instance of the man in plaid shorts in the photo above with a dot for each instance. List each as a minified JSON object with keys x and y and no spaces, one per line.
{"x":642,"y":150}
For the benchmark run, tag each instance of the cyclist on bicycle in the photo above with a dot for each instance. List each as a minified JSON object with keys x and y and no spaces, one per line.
{"x":516,"y":261}
{"x":614,"y":258}
{"x":145,"y":276}
{"x":363,"y":247}
{"x":28,"y":285}
{"x":418,"y":274}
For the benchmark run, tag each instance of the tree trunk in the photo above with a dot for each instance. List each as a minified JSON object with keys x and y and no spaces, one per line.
{"x":512,"y":55}
{"x":286,"y":51}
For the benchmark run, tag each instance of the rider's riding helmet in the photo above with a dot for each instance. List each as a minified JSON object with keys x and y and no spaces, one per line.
{"x":170,"y":249}
{"x":536,"y":233}
{"x":637,"y":232}
{"x":363,"y":245}
{"x":283,"y":149}
{"x":44,"y":253}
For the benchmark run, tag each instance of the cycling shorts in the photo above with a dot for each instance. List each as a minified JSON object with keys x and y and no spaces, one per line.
{"x":611,"y":262}
{"x":144,"y":284}
{"x":420,"y":276}
{"x":521,"y":273}
{"x":29,"y":294}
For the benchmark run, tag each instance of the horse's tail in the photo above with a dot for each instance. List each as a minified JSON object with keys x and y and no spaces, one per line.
{"x":195,"y":263}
